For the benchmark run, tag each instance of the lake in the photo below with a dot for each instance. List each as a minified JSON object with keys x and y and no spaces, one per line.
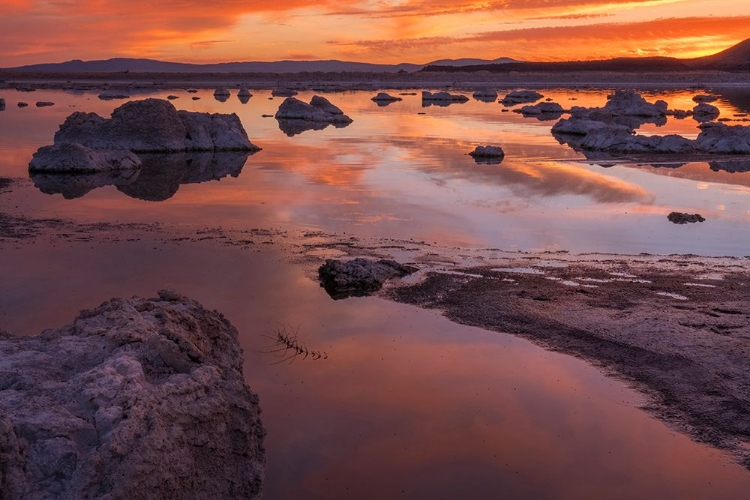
{"x":408,"y":404}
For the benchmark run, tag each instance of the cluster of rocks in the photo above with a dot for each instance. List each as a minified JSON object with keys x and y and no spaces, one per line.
{"x":138,"y":398}
{"x":611,"y":129}
{"x":87,"y":142}
{"x":521,"y":97}
{"x":359,"y":277}
{"x":295,"y":116}
{"x":441,"y":98}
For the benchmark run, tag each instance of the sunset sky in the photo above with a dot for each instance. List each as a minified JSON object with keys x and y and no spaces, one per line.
{"x":383,"y":31}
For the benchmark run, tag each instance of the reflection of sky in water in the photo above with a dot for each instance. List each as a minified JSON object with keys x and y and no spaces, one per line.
{"x":394,"y":172}
{"x":408,"y":405}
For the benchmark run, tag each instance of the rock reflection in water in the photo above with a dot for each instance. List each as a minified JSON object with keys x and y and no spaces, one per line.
{"x":731,"y":166}
{"x":292,"y":127}
{"x":158,"y":179}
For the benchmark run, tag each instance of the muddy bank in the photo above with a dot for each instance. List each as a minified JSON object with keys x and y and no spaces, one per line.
{"x":675,"y":327}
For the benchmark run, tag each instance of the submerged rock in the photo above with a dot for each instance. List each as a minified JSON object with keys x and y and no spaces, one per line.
{"x":705,"y":98}
{"x":441,"y":98}
{"x":283,"y":93}
{"x":358,"y":277}
{"x":385,"y":97}
{"x":488,"y":154}
{"x":75,"y":158}
{"x":172,"y":97}
{"x":521,"y":97}
{"x":244,"y":95}
{"x":543,"y":111}
{"x":137,"y":399}
{"x":44,"y":104}
{"x":22,"y":104}
{"x":222,"y":94}
{"x":108,"y":95}
{"x":2,"y":104}
{"x":683,"y":218}
{"x":705,"y":112}
{"x":485,"y":95}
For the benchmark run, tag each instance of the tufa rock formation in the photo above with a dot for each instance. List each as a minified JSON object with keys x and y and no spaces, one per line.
{"x":137,"y":399}
{"x":147,"y":126}
{"x":359,"y":277}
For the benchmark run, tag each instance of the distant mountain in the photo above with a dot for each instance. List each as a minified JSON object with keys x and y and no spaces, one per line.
{"x":736,"y":58}
{"x":470,"y":62}
{"x":152,"y":66}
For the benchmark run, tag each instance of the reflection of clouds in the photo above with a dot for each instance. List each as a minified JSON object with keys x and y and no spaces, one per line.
{"x":526,"y":179}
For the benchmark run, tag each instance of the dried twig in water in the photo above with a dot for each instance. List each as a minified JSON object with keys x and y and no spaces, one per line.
{"x":286,"y":342}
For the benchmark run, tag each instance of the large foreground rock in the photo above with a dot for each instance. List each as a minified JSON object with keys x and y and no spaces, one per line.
{"x":359,"y":276}
{"x":137,"y":399}
{"x":155,"y":126}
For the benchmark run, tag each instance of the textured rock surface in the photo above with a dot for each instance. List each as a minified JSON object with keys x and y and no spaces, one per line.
{"x":74,"y":158}
{"x":155,"y":126}
{"x":359,"y":276}
{"x":704,"y":112}
{"x":137,"y":399}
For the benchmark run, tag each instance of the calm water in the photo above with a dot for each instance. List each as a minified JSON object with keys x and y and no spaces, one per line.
{"x":408,"y":405}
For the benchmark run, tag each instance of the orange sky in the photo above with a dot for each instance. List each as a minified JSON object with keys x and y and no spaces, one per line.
{"x":384,"y":31}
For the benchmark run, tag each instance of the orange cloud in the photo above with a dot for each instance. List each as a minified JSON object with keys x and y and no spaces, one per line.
{"x":674,"y":36}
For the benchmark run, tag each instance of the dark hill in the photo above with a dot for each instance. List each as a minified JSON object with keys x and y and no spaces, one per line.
{"x":735,"y":58}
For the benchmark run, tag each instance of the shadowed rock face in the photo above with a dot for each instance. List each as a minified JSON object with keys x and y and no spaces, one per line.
{"x":155,"y":126}
{"x":137,"y":399}
{"x":158,"y":179}
{"x":75,"y":158}
{"x":358,"y":277}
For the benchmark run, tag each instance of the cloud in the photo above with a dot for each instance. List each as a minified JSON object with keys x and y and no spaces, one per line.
{"x":674,"y":36}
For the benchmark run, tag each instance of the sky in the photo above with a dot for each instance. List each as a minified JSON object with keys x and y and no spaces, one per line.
{"x":379,"y":31}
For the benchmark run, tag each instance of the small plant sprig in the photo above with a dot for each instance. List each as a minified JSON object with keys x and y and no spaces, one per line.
{"x":285,"y":341}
